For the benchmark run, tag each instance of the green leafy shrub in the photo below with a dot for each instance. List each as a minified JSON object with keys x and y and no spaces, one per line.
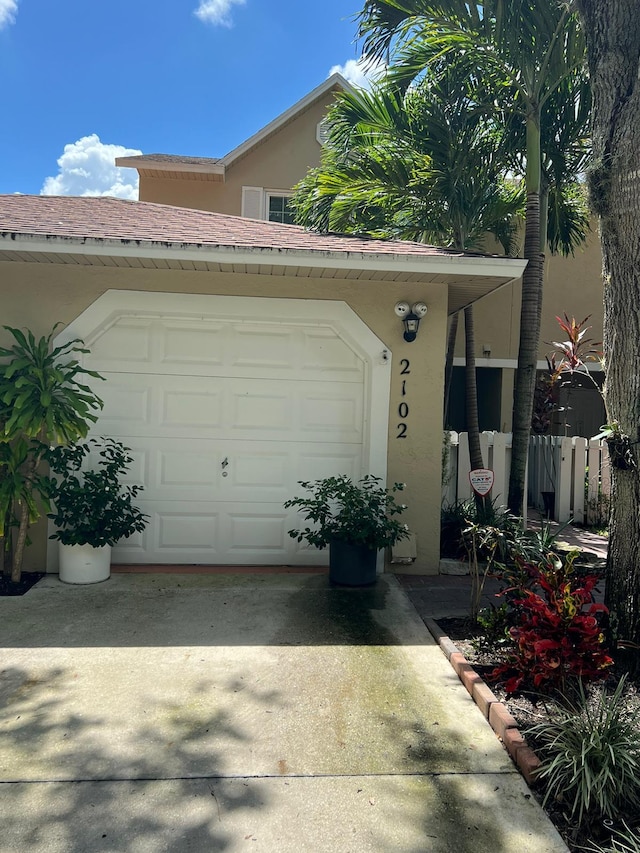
{"x":591,"y":756}
{"x":557,"y":633}
{"x":494,"y":622}
{"x":494,"y":524}
{"x":361,"y":513}
{"x":92,"y":507}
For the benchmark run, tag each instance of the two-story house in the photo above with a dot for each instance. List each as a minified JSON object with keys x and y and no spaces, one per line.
{"x":255,"y":179}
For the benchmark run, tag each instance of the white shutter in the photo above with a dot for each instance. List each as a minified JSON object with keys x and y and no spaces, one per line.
{"x":253,"y":202}
{"x":322,"y":131}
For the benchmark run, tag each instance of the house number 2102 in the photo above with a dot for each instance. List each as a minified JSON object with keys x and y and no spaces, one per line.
{"x":403,"y":407}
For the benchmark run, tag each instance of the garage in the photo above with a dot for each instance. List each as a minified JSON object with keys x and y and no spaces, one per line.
{"x":226,"y":403}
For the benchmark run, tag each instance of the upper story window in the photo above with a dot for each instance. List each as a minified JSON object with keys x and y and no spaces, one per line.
{"x":278,"y":209}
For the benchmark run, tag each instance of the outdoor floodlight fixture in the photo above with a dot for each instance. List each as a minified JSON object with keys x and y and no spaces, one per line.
{"x":410,"y":316}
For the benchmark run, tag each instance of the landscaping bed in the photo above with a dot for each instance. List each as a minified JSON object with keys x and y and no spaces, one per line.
{"x":28,"y":579}
{"x":532,"y":709}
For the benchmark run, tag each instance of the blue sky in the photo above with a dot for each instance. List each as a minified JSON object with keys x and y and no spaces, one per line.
{"x":85,"y":81}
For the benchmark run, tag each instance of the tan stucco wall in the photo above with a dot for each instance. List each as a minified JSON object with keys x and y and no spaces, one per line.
{"x":38,"y":295}
{"x":276,"y":164}
{"x":572,"y":285}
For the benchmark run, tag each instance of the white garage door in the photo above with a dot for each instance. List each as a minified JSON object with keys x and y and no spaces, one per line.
{"x":224,"y":416}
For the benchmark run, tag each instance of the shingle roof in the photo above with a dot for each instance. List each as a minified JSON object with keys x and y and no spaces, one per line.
{"x":175,"y":158}
{"x":102,"y":218}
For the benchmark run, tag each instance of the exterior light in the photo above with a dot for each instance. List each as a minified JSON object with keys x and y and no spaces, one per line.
{"x":410,"y":316}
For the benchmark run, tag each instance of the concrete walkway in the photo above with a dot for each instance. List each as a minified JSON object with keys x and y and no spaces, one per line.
{"x":157,"y":713}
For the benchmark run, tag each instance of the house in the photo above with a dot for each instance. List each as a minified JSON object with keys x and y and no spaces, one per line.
{"x":242,"y":356}
{"x":255,"y":179}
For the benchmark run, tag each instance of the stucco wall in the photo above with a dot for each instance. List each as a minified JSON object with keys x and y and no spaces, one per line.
{"x":38,"y":295}
{"x":276,"y":164}
{"x":572,"y":285}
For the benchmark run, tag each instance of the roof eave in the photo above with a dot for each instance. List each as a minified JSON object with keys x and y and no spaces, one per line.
{"x":335,"y":80}
{"x":442,"y":264}
{"x":142,"y":162}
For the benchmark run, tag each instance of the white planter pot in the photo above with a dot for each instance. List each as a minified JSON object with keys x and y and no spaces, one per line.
{"x":84,"y":563}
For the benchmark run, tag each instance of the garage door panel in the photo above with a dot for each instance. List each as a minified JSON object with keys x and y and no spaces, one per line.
{"x":332,"y":414}
{"x":258,"y":471}
{"x":255,"y":347}
{"x":223,"y":347}
{"x":126,"y":405}
{"x":190,"y":529}
{"x":128,"y":340}
{"x":253,"y":410}
{"x":199,"y":407}
{"x":215,"y":533}
{"x":253,"y":533}
{"x":322,"y":350}
{"x":315,"y":465}
{"x":180,"y":468}
{"x":193,"y":344}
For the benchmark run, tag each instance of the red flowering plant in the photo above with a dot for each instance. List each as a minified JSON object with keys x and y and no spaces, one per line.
{"x":569,"y":359}
{"x":557,"y":633}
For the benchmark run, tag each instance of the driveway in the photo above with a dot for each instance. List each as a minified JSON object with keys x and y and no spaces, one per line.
{"x":244,"y":712}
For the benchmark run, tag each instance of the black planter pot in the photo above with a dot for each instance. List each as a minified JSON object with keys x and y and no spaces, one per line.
{"x":351,"y":565}
{"x":549,"y":501}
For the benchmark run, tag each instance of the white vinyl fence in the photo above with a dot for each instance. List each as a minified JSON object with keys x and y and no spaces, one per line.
{"x":572,"y":471}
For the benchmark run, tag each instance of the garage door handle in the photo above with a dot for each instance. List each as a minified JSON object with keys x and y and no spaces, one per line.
{"x":224,"y":462}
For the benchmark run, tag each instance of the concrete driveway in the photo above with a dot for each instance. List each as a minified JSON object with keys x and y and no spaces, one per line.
{"x":244,"y":713}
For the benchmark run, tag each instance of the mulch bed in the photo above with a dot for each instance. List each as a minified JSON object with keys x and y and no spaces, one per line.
{"x":529,"y":709}
{"x":29,"y":579}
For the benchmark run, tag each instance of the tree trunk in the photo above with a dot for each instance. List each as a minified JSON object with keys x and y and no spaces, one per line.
{"x":471,"y":401}
{"x":24,"y":517}
{"x":530,"y":314}
{"x":21,"y":541}
{"x":613,"y":51}
{"x":448,"y":365}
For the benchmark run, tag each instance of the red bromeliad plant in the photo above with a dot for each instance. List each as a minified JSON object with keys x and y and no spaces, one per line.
{"x":557,"y":634}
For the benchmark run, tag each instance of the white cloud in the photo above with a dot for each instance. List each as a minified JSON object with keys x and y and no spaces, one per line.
{"x":360,"y":72}
{"x":216,"y":11}
{"x":8,"y":12}
{"x":87,"y":167}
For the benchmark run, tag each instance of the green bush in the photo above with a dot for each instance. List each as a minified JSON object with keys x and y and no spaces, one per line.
{"x":361,"y":513}
{"x":591,"y":756}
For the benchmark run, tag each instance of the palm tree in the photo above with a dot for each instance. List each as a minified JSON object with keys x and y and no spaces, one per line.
{"x":614,"y":61}
{"x":427,"y":165}
{"x":521,"y":52}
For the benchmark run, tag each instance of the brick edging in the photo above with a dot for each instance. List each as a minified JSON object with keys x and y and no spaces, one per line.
{"x":494,"y":711}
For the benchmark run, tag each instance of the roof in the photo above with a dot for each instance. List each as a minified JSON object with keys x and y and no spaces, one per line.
{"x":104,"y":218}
{"x":178,"y":158}
{"x":217,"y":165}
{"x":88,"y":230}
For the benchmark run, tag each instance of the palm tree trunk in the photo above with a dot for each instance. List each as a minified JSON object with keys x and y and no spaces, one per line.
{"x":448,"y":365}
{"x":471,"y":400}
{"x":530,"y":315}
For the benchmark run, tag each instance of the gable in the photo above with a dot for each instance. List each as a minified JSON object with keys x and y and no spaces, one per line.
{"x":274,"y":158}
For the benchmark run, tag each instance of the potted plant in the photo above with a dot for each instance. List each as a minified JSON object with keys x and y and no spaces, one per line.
{"x":43,"y":401}
{"x":92,"y":509}
{"x":355,"y":519}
